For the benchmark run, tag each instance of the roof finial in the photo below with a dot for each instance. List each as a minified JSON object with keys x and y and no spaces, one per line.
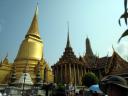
{"x":107,"y":54}
{"x":113,"y":48}
{"x":68,"y":26}
{"x":37,"y":9}
{"x":6,"y":55}
{"x":68,"y":41}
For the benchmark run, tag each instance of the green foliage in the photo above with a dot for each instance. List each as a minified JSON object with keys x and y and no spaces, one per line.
{"x":59,"y":91}
{"x":61,"y":86}
{"x":89,"y":79}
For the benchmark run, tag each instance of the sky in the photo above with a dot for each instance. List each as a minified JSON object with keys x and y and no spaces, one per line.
{"x":95,"y":19}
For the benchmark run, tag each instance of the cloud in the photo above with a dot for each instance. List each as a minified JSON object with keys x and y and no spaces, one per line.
{"x":110,"y":51}
{"x":122,"y":49}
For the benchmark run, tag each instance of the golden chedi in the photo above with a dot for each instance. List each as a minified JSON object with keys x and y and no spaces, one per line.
{"x":31,"y":49}
{"x":29,"y":54}
{"x":5,"y":69}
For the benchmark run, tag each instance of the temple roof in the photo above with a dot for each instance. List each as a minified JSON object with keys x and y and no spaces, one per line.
{"x":119,"y":65}
{"x":5,"y":61}
{"x":89,"y":57}
{"x":68,"y":54}
{"x":34,"y":30}
{"x":114,"y":64}
{"x":89,"y":51}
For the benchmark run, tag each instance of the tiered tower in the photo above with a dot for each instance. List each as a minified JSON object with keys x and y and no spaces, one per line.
{"x":68,"y":69}
{"x":31,"y":49}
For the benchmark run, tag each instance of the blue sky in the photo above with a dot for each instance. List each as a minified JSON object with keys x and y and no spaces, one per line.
{"x":97,"y":19}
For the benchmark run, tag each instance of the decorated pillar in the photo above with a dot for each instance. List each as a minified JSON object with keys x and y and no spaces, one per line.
{"x":78,"y":74}
{"x":54,"y":70}
{"x":57,"y":75}
{"x":65,"y":73}
{"x":81,"y":70}
{"x":69,"y":73}
{"x":74,"y":74}
{"x":84,"y":70}
{"x":61,"y":75}
{"x":81,"y":74}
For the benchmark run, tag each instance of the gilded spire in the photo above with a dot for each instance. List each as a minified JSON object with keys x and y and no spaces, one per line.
{"x":68,"y":40}
{"x":38,"y":77}
{"x":30,"y":50}
{"x":88,"y":47}
{"x":5,"y":61}
{"x":1,"y":61}
{"x":13,"y":75}
{"x":34,"y":30}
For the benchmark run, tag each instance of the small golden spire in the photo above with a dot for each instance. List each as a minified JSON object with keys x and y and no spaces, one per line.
{"x":34,"y":30}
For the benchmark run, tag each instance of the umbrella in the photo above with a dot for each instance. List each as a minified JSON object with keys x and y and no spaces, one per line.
{"x":95,"y":88}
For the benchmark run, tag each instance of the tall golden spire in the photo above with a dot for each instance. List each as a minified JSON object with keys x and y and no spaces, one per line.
{"x":34,"y":30}
{"x":31,"y":49}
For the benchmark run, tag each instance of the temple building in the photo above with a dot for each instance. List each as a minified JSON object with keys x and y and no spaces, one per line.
{"x":68,"y":69}
{"x":102,"y":66}
{"x":30,"y":54}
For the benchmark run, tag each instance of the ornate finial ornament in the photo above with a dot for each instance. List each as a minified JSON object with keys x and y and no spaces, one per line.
{"x":37,"y":9}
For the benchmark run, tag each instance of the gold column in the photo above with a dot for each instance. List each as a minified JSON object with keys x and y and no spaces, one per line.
{"x":54,"y":73}
{"x":78,"y":74}
{"x":65,"y":74}
{"x":74,"y":74}
{"x":69,"y":73}
{"x":61,"y":78}
{"x":59,"y":72}
{"x":82,"y":70}
{"x":57,"y":75}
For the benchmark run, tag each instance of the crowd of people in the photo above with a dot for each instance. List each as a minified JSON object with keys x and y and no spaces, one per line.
{"x":108,"y":86}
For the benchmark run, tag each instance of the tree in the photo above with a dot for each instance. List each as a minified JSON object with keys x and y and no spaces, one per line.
{"x":89,"y":79}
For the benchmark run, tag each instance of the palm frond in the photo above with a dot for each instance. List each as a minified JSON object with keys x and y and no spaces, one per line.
{"x":123,"y":35}
{"x":125,"y":5}
{"x":125,"y":17}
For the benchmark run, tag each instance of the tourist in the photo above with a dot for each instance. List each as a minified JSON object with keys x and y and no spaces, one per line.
{"x":114,"y":86}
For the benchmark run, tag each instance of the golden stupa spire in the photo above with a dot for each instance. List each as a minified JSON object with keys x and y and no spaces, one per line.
{"x":34,"y":30}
